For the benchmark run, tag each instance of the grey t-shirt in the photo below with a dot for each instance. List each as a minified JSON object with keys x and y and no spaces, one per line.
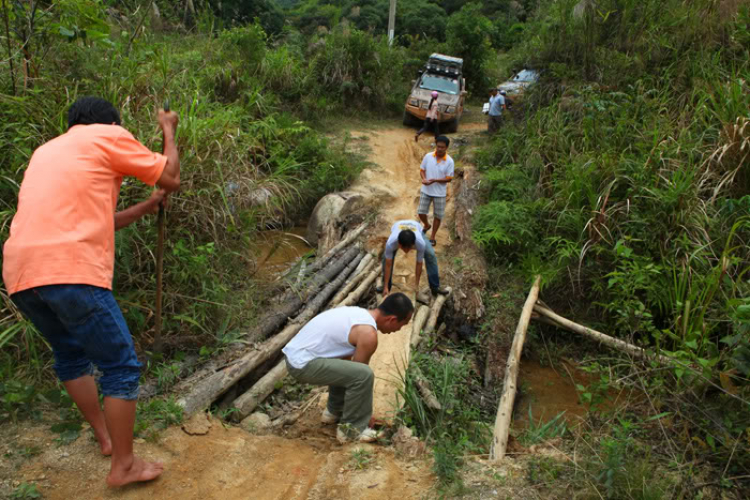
{"x":392,"y":244}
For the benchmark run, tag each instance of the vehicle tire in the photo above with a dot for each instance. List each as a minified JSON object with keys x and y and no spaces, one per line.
{"x":452,"y":126}
{"x":409,"y":120}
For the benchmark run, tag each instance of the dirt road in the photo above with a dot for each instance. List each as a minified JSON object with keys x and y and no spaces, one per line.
{"x":231,"y":463}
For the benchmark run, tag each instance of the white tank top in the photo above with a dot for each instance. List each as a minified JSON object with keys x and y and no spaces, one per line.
{"x":326,"y":336}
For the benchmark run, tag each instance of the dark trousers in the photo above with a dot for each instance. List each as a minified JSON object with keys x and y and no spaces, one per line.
{"x":430,"y":123}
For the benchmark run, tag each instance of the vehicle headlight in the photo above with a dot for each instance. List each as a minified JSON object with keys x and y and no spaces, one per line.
{"x":414,"y":102}
{"x":450,"y":109}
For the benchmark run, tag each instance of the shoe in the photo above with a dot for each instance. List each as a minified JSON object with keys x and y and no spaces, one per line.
{"x":379,"y":288}
{"x":423,"y":297}
{"x":329,"y":418}
{"x":439,"y":290}
{"x":366,"y":436}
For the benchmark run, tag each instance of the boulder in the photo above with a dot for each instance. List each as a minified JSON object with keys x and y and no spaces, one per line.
{"x":257,"y":423}
{"x":332,"y":209}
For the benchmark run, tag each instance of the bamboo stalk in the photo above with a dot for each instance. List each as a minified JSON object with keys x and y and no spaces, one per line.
{"x":263,"y":388}
{"x":354,"y":297}
{"x":600,"y":337}
{"x":505,"y":409}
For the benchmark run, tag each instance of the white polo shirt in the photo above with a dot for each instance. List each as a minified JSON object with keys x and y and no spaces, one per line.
{"x":436,"y":168}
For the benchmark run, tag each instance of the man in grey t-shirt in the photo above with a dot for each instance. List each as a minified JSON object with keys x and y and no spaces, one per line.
{"x":405,"y":236}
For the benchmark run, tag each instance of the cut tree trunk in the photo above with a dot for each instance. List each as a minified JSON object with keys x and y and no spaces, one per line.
{"x":417,"y":324}
{"x":363,"y":269}
{"x":206,"y":391}
{"x":599,"y":337}
{"x":263,"y":388}
{"x":435,"y":311}
{"x":424,"y":388}
{"x":505,"y":409}
{"x":353,"y":235}
{"x":295,"y":300}
{"x":357,"y":294}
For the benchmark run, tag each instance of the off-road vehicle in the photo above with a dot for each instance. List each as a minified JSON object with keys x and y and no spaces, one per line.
{"x":443,"y":74}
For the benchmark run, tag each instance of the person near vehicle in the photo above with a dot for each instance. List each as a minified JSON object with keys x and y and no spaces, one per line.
{"x":436,"y":172}
{"x":58,"y":264}
{"x":508,"y":100}
{"x":497,"y":105}
{"x":406,"y":235}
{"x":432,"y":117}
{"x":334,"y":349}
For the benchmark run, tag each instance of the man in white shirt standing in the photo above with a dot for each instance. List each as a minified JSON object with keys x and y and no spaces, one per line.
{"x":436,"y":172}
{"x":334,"y":349}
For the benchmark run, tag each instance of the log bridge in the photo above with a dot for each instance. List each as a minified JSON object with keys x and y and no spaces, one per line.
{"x":341,"y":277}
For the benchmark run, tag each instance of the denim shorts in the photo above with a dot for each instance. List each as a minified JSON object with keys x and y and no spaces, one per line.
{"x":85,"y":327}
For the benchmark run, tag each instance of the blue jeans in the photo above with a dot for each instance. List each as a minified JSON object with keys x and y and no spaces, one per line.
{"x":430,"y":262}
{"x":85,"y":327}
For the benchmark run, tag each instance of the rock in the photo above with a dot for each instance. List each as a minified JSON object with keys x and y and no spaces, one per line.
{"x":198,"y":425}
{"x":257,"y":423}
{"x":406,"y":444}
{"x":331,"y":209}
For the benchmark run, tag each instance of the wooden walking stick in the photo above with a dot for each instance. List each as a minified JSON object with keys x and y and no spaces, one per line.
{"x":160,"y":224}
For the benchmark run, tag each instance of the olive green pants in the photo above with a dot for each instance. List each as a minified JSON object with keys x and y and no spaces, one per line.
{"x":349,"y":387}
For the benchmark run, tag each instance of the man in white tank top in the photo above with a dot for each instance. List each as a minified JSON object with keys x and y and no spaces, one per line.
{"x":334,"y":349}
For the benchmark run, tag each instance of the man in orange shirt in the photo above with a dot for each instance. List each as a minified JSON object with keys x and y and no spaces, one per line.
{"x":59,"y":261}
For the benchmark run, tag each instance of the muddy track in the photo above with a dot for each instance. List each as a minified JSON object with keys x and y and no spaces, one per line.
{"x":232,"y":463}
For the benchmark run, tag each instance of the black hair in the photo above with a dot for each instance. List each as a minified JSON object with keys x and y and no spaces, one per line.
{"x":89,"y":110}
{"x":396,"y":304}
{"x":443,"y":139}
{"x":407,"y":238}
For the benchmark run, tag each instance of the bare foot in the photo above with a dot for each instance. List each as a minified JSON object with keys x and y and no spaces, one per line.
{"x":138,"y":471}
{"x":105,"y":445}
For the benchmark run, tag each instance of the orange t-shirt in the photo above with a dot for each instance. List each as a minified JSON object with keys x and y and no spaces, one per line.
{"x":64,"y":229}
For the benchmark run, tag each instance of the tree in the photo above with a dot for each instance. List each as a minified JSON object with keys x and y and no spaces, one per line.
{"x":468,"y":35}
{"x":244,"y":11}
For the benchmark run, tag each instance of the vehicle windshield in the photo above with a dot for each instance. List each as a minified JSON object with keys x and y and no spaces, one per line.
{"x":440,"y":84}
{"x":526,"y":75}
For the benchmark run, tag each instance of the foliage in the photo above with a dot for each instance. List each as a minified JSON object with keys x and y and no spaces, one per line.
{"x":248,"y":161}
{"x":455,"y":429}
{"x":626,"y":174}
{"x":538,"y":432}
{"x":26,"y":491}
{"x":469,"y":35}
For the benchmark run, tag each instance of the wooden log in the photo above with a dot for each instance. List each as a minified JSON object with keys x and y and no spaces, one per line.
{"x":363,"y":269}
{"x":354,"y":297}
{"x":263,"y":388}
{"x":600,"y":337}
{"x":292,"y":302}
{"x":424,"y":388}
{"x":437,"y":305}
{"x":353,"y":235}
{"x":417,"y":323}
{"x":207,"y":390}
{"x":505,"y":409}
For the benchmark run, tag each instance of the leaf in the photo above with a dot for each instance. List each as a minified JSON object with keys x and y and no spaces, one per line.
{"x":659,"y":416}
{"x":67,"y":32}
{"x":726,"y":382}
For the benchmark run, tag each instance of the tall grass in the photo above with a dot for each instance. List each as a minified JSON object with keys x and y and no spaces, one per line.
{"x":248,"y":160}
{"x":627,"y":179}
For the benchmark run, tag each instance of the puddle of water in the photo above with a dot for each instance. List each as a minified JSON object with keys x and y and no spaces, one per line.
{"x":276,"y":251}
{"x":548,"y":391}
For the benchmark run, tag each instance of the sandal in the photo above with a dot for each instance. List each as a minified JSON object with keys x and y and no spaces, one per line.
{"x":433,"y":242}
